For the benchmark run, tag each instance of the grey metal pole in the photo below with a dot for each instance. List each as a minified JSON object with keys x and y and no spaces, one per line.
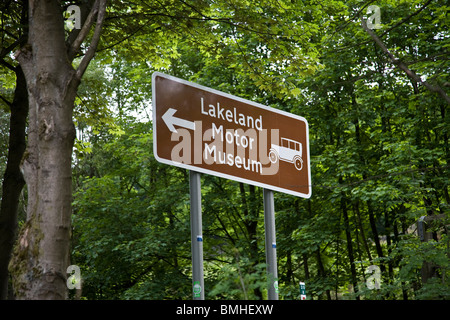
{"x":271,"y":244}
{"x":196,"y":236}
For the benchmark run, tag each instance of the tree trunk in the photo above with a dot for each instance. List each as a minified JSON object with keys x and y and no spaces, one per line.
{"x":387,"y":225}
{"x":321,"y":272}
{"x":41,"y":255}
{"x":251,"y":213}
{"x":349,"y":245}
{"x":13,"y":181}
{"x":361,"y":228}
{"x":376,"y":238}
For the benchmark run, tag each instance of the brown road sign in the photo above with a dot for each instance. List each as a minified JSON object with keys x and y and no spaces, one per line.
{"x":212,"y":132}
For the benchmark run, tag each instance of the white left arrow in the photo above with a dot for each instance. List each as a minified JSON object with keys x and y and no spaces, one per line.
{"x":172,"y":121}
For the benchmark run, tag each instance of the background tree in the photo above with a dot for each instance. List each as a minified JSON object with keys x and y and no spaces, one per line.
{"x":14,"y":98}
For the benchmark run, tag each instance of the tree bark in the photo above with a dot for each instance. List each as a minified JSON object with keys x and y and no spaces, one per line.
{"x":13,"y":181}
{"x":41,"y":255}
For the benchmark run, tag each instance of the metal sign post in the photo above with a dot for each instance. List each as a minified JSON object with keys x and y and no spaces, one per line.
{"x":212,"y":132}
{"x":196,"y":236}
{"x":271,"y":244}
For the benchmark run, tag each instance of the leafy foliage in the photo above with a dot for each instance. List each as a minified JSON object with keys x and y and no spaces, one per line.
{"x":379,"y":151}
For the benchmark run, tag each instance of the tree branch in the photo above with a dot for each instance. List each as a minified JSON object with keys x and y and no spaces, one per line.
{"x":8,"y":65}
{"x":8,"y":103}
{"x":358,"y":14}
{"x":406,"y":18}
{"x":25,"y":58}
{"x":77,"y":36}
{"x":402,"y":66}
{"x":95,"y":38}
{"x":6,"y":51}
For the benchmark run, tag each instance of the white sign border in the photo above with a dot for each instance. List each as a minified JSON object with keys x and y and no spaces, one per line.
{"x":219,"y":174}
